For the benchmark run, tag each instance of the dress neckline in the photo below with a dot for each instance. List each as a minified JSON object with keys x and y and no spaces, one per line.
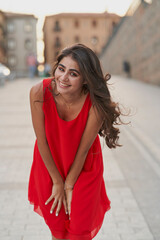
{"x":77,"y":114}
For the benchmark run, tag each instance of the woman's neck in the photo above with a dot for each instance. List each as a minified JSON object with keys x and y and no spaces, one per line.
{"x":70,"y":99}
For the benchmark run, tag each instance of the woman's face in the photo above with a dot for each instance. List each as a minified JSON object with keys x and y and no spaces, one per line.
{"x":68,"y":77}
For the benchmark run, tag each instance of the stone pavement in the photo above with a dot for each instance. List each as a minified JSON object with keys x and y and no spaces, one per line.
{"x":131,"y":172}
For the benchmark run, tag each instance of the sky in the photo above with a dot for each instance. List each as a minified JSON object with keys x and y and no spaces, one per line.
{"x":41,"y":8}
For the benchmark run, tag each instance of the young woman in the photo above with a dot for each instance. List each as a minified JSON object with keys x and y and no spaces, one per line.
{"x":68,"y":111}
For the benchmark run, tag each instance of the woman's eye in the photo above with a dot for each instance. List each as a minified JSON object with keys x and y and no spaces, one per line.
{"x":61,"y":69}
{"x":73,"y":74}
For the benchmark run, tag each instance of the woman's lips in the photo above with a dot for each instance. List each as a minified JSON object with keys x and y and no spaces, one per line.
{"x":64,"y":85}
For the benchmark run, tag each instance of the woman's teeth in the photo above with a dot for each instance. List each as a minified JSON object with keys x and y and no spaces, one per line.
{"x":63,"y":84}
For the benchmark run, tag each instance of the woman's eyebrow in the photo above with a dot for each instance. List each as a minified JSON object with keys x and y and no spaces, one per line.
{"x":71,"y":69}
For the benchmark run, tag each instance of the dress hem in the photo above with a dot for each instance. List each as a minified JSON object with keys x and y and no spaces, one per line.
{"x":68,"y":235}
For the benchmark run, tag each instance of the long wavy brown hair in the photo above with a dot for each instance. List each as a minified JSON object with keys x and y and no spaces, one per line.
{"x":97,"y":86}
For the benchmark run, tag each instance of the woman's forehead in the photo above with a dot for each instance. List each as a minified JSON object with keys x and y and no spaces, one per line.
{"x":69,"y":62}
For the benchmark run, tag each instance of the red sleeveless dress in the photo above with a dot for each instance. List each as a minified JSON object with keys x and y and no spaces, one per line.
{"x":89,"y":199}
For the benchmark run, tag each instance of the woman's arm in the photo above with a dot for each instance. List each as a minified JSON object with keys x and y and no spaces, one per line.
{"x":92,"y":128}
{"x":36,"y":93}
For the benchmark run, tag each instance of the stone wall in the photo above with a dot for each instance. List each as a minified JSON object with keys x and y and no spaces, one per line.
{"x":137,"y":41}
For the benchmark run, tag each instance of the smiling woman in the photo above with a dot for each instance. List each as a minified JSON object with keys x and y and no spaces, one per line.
{"x":68,"y":111}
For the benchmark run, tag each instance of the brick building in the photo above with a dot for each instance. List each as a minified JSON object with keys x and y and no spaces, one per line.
{"x":134,"y":46}
{"x":91,"y":29}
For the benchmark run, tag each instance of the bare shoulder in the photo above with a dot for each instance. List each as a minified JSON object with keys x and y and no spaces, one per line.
{"x":95,"y":114}
{"x":36,"y":92}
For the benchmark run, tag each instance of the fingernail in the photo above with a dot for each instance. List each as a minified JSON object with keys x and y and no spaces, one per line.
{"x":45,"y":203}
{"x":66,"y":212}
{"x":56,"y":214}
{"x":51,"y":211}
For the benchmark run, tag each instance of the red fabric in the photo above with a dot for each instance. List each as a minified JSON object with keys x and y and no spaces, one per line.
{"x":89,"y":200}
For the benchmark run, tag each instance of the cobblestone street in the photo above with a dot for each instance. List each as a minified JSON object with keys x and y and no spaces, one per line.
{"x":132,"y":172}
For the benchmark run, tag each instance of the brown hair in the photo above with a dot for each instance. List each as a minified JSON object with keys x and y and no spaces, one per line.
{"x":96,"y":85}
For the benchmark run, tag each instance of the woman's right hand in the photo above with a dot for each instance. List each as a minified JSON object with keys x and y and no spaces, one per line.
{"x":58,"y":195}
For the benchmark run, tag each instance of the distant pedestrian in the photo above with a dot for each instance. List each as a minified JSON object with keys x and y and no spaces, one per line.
{"x":32,"y":65}
{"x":127,"y":68}
{"x":68,"y":110}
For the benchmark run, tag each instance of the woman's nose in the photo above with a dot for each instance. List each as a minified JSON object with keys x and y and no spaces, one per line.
{"x":64,"y":76}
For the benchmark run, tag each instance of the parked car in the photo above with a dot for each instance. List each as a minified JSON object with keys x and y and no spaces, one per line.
{"x":4,"y":73}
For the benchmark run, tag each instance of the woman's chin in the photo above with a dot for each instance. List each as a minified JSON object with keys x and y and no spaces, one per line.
{"x":62,"y":89}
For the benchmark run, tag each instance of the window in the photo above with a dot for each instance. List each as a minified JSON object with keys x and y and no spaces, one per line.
{"x":57,"y":27}
{"x":76,"y":23}
{"x":76,"y":39}
{"x":12,"y":60}
{"x":94,"y":23}
{"x":27,"y":27}
{"x":10,"y":27}
{"x":11,"y":44}
{"x":56,"y":53}
{"x":28,"y":44}
{"x":94,"y":40}
{"x":57,"y":42}
{"x":113,"y":24}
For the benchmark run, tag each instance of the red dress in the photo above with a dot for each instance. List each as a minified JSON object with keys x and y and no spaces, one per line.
{"x":89,"y":199}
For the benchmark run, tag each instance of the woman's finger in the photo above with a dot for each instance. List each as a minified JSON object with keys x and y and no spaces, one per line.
{"x":69,"y":207}
{"x":58,"y":207}
{"x":69,"y":199}
{"x":49,"y":199}
{"x":53,"y":206}
{"x":65,"y":205}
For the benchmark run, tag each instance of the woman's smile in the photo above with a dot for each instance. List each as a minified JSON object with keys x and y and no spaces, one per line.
{"x":63,"y":85}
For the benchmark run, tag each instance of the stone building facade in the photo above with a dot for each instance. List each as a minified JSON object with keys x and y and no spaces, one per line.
{"x":21,"y":41}
{"x":134,"y":47}
{"x":65,"y":29}
{"x":3,"y":52}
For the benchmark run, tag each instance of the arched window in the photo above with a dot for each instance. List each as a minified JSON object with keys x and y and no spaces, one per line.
{"x":94,"y":23}
{"x":113,"y":24}
{"x":76,"y":23}
{"x":57,"y":42}
{"x":28,"y":44}
{"x":27,"y":26}
{"x":77,"y":39}
{"x":56,"y":53}
{"x":11,"y":43}
{"x":12,"y":61}
{"x":10,"y":27}
{"x":57,"y":27}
